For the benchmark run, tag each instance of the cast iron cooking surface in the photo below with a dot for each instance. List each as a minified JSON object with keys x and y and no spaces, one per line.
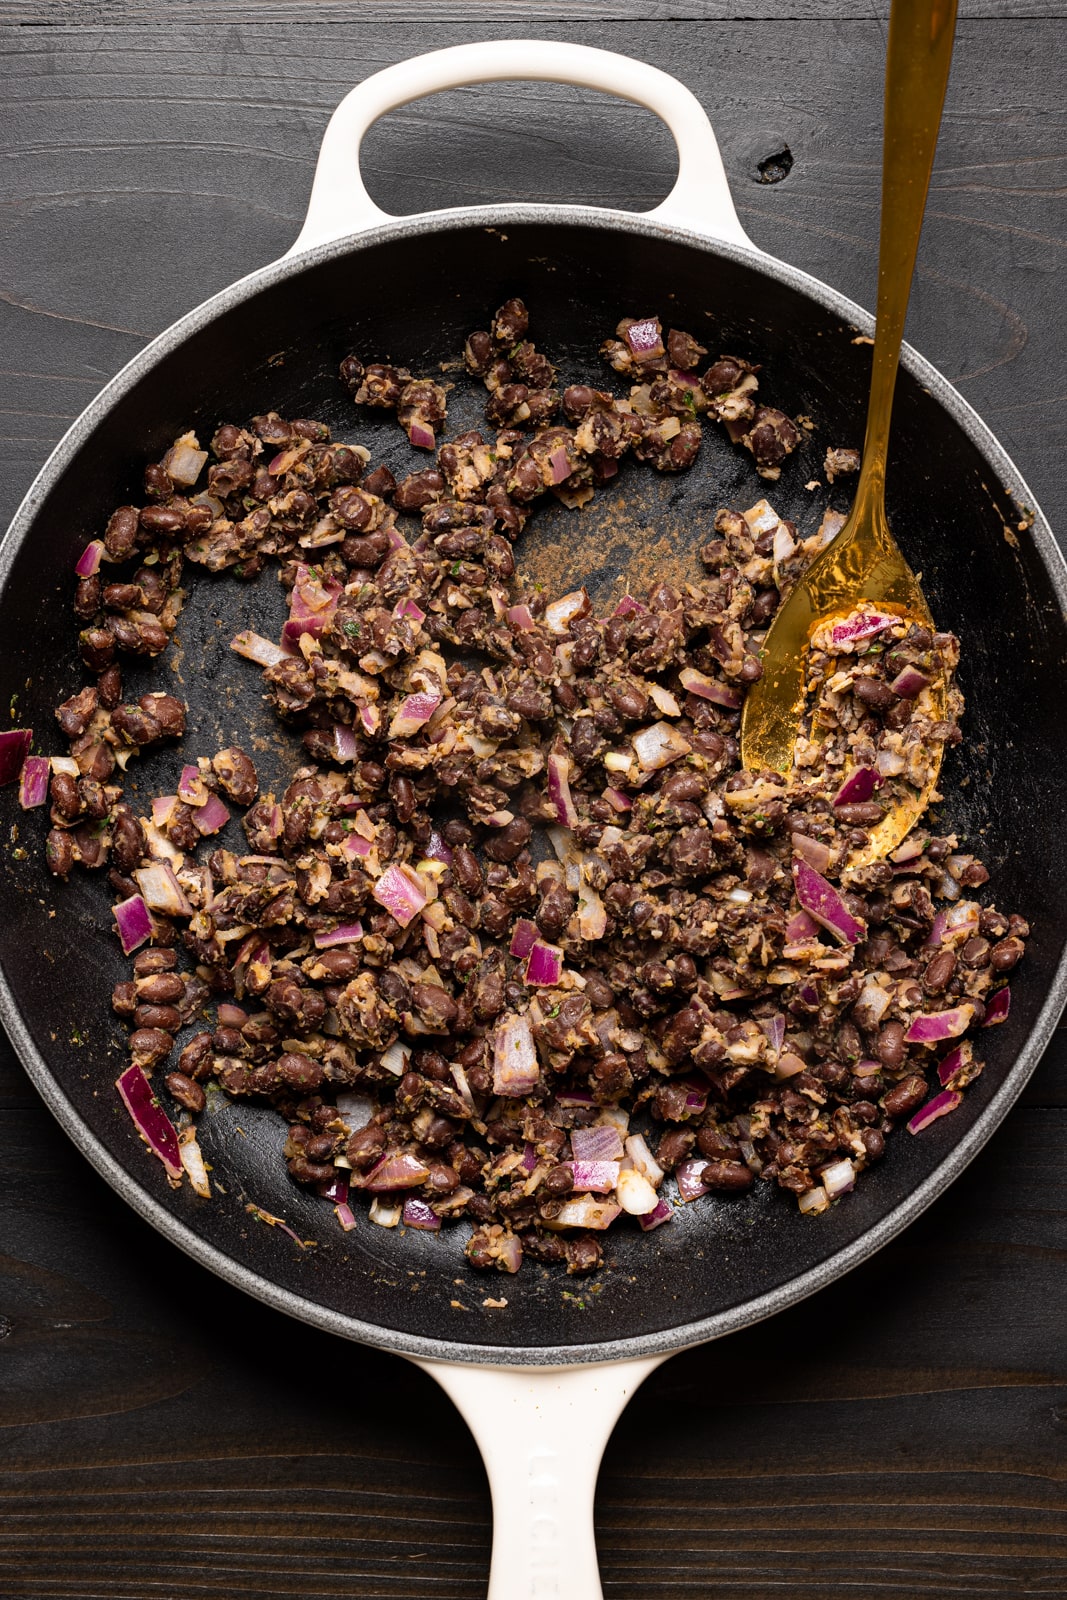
{"x":412,"y":299}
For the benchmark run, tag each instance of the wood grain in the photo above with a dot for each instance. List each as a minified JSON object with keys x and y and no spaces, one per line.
{"x":903,"y":1433}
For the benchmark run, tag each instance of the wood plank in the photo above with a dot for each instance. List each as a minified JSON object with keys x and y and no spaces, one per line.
{"x":474,"y":14}
{"x":183,"y":159}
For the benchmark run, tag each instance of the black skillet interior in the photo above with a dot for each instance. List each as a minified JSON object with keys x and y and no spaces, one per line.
{"x":412,"y":299}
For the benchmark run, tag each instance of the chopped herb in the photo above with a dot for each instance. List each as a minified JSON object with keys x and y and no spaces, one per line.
{"x":456,"y":568}
{"x":351,"y":628}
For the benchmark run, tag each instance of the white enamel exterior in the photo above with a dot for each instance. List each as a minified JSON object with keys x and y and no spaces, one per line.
{"x":541,"y":1431}
{"x":700,"y":200}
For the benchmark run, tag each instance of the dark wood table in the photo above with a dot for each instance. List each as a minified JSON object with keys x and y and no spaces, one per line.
{"x":900,"y":1435}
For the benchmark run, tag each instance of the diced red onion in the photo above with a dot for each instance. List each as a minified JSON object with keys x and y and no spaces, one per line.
{"x":909,"y":683}
{"x":586,"y":1212}
{"x":520,"y":618}
{"x":857,"y":787}
{"x":955,"y":924}
{"x":370,"y":718}
{"x":814,"y":852}
{"x":705,"y":688}
{"x":184,"y":462}
{"x":400,"y":1170}
{"x":133,"y":923}
{"x":574,"y":1097}
{"x":949,"y":1065}
{"x":663,"y":1212}
{"x":687,"y":1175}
{"x":889,"y":763}
{"x":663,"y":700}
{"x":592,"y":913}
{"x":561,"y":613}
{"x":336,"y":1190}
{"x":659,"y":745}
{"x":88,"y":563}
{"x":437,"y":850}
{"x":213,"y":504}
{"x":417,"y":1214}
{"x":871,"y":1004}
{"x":774,"y":1028}
{"x":395,"y":1059}
{"x":413,"y":712}
{"x":788,"y":1065}
{"x":409,"y":611}
{"x":784,"y":544}
{"x":603,"y":1142}
{"x":255,"y":648}
{"x":863,"y":626}
{"x":800,"y":926}
{"x":33,"y":782}
{"x":635,"y":1194}
{"x":345,"y":743}
{"x":940,"y":1025}
{"x":345,"y":1216}
{"x":191,"y":787}
{"x":192,"y":1160}
{"x":355,"y":1109}
{"x":499,"y":819}
{"x":642,"y":1158}
{"x":346,"y":933}
{"x":385,"y":1213}
{"x":14,"y":748}
{"x":813,"y":1201}
{"x":462,"y":1083}
{"x":559,"y":789}
{"x":524,"y":936}
{"x":910,"y":850}
{"x":529,"y":1157}
{"x":357,"y":847}
{"x":211,"y":817}
{"x":809,"y":994}
{"x":544,"y":965}
{"x":939,"y":1106}
{"x":559,"y":467}
{"x":618,"y":801}
{"x":696,"y":1094}
{"x":645,"y":339}
{"x":998,"y":1008}
{"x":163,"y":808}
{"x":839,"y":1177}
{"x":515,"y":1065}
{"x":161,"y":889}
{"x":821,"y":900}
{"x":401,"y":891}
{"x":421,"y":435}
{"x":151,"y":1121}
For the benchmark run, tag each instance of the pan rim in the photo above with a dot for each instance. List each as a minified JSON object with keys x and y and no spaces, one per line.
{"x":667,"y":1340}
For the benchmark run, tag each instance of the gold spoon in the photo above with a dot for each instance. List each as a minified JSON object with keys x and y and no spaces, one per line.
{"x":864,"y":562}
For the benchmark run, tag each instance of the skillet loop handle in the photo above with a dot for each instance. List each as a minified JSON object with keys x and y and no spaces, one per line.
{"x":700,"y":200}
{"x":542,"y":1434}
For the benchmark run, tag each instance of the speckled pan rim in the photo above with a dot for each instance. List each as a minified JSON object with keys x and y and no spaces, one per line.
{"x":667,"y":1340}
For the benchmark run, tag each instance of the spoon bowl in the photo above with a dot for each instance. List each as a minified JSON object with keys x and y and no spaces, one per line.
{"x":864,"y":561}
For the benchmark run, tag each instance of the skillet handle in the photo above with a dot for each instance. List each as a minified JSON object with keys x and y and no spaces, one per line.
{"x":542,"y":1433}
{"x":700,"y":200}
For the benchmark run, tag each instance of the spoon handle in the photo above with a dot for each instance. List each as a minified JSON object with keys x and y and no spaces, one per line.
{"x":917,"y":64}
